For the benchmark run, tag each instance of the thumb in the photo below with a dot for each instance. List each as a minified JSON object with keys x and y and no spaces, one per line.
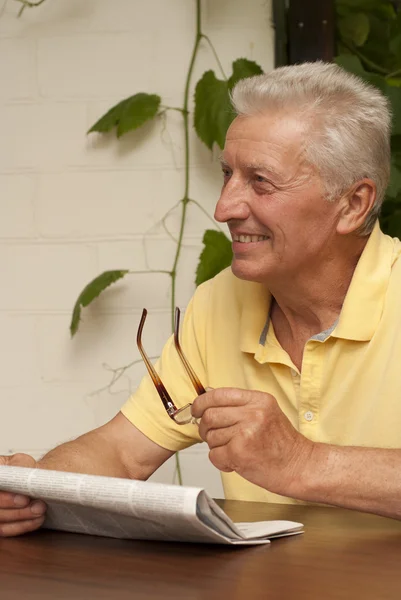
{"x":18,"y":460}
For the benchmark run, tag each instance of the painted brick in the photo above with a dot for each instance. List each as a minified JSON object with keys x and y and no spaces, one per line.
{"x":18,"y":76}
{"x":59,"y":16}
{"x":17,"y":206}
{"x":99,"y":204}
{"x":101,"y":339}
{"x":205,"y":186}
{"x":249,"y":14}
{"x":43,"y":416}
{"x":172,"y":17}
{"x":92,"y":65}
{"x":74,"y":16}
{"x":18,"y":350}
{"x":139,"y":254}
{"x":256,"y":43}
{"x":42,"y":136}
{"x":171,"y":72}
{"x":142,"y":289}
{"x":44,"y":277}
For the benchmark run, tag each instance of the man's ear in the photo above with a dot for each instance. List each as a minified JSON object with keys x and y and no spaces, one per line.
{"x":355,"y":206}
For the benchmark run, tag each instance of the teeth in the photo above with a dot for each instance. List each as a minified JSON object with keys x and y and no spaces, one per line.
{"x":250,"y":238}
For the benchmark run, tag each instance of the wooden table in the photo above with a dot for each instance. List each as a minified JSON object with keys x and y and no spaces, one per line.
{"x":342,"y":554}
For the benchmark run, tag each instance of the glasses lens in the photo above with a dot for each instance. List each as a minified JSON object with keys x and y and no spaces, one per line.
{"x":184,"y":415}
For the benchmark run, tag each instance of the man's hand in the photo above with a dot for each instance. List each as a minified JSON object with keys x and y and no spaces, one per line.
{"x":248,"y":433}
{"x":19,"y":514}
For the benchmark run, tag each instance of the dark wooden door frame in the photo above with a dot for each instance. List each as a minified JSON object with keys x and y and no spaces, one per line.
{"x":305,"y":30}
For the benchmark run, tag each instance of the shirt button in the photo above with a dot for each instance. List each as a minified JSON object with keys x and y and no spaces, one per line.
{"x":309,"y":415}
{"x":294,"y":373}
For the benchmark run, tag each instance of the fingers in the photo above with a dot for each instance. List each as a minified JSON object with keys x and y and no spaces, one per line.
{"x":220,"y":459}
{"x":220,"y":397}
{"x":216,"y":438}
{"x":20,"y":527}
{"x":11,"y":500}
{"x":217,"y":419}
{"x":35,"y":509}
{"x":19,"y":514}
{"x":16,"y":521}
{"x":21,"y":460}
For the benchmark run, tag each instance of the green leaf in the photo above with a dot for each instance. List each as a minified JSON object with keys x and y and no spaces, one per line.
{"x":358,"y":4}
{"x":394,"y":81}
{"x":394,"y":187}
{"x":215,"y":256}
{"x":109,"y":120}
{"x":394,"y":95}
{"x":396,"y":144}
{"x":350,"y":63}
{"x":128,"y":114}
{"x":382,"y":8}
{"x":137,"y":110}
{"x":390,"y":218}
{"x":213,"y":110}
{"x":242,"y":67}
{"x":92,"y":291}
{"x":395,"y":45}
{"x":354,"y":28}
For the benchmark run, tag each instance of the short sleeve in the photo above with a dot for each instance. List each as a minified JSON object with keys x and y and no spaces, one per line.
{"x":144,"y":408}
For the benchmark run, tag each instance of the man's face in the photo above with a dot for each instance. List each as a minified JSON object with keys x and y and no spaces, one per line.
{"x":272,"y":200}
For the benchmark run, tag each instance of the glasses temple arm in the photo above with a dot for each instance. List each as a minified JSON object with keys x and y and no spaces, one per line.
{"x":161,"y":390}
{"x":191,"y":373}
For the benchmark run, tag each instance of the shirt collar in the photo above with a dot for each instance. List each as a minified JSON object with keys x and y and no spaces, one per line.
{"x":363,"y":304}
{"x":256,"y":300}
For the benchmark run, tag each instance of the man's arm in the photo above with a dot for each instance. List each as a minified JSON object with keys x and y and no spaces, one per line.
{"x":248,"y":433}
{"x":367,"y":479}
{"x":117,"y":449}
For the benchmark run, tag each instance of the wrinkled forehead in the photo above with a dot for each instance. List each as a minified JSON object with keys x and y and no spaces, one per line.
{"x":278,"y":138}
{"x":286,"y":126}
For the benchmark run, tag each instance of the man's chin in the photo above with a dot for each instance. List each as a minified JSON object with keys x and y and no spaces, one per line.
{"x":243,"y":270}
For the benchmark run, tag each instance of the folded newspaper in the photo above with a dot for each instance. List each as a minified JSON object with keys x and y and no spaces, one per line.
{"x":130,"y":509}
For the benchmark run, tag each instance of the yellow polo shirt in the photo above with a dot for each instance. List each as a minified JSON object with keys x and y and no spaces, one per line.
{"x":349,"y":390}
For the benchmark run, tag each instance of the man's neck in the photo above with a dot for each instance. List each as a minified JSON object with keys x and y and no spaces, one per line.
{"x":310,"y":302}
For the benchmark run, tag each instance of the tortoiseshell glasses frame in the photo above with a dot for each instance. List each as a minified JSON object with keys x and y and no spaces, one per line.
{"x":183,"y":415}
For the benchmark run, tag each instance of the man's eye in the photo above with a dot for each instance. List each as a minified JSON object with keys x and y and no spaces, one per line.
{"x":260,"y":179}
{"x":226,"y":173}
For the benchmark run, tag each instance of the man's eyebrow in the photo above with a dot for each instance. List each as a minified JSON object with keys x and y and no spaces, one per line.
{"x":252,"y":166}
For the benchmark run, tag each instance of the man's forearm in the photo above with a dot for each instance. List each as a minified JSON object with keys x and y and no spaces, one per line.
{"x":366,"y":479}
{"x":91,"y":453}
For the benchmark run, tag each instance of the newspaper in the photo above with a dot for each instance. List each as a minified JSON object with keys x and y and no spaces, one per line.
{"x":131,"y":509}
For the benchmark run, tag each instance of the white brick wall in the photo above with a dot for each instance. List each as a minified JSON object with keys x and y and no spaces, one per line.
{"x":72,"y":206}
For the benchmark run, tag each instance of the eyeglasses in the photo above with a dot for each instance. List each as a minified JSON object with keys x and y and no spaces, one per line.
{"x":183,"y":415}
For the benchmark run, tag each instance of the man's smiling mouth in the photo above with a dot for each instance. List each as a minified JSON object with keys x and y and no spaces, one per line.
{"x":249,"y":238}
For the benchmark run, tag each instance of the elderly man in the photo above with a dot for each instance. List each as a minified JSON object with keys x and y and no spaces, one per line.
{"x":299,"y":342}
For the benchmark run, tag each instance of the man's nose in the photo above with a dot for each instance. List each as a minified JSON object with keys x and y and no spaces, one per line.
{"x":232,"y":204}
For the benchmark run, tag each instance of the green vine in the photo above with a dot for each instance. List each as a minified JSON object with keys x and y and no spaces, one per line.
{"x":212,"y":116}
{"x":185,"y":199}
{"x":27,"y":4}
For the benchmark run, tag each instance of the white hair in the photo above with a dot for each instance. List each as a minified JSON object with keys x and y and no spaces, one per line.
{"x":350,"y":123}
